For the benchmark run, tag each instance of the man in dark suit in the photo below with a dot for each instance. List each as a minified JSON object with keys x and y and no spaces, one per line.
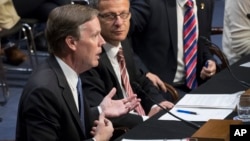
{"x":114,"y":18}
{"x":51,"y":107}
{"x":157,"y":38}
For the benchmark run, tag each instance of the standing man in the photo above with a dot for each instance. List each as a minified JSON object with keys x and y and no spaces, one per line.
{"x":157,"y":30}
{"x":52,"y":106}
{"x":117,"y":68}
{"x":236,"y":29}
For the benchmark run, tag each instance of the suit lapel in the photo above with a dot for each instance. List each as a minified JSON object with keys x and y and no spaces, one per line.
{"x":66,"y":91}
{"x":105,"y":60}
{"x":128,"y":58}
{"x":171,"y":13}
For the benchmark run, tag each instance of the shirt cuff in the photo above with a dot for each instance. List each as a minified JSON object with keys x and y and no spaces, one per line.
{"x":99,"y":109}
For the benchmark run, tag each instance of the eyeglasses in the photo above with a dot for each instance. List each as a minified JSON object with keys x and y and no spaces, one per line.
{"x":113,"y":16}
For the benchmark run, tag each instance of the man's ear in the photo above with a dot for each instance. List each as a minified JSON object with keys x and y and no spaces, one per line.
{"x":71,"y":42}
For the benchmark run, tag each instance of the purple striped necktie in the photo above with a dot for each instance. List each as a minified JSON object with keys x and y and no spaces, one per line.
{"x":190,"y":44}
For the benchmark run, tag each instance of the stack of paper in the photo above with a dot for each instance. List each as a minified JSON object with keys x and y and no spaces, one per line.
{"x":202,"y":107}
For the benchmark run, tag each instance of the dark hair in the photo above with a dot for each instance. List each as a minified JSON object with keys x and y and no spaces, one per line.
{"x":94,"y":3}
{"x":64,"y":21}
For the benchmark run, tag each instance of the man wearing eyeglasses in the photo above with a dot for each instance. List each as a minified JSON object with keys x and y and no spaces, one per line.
{"x":114,"y":18}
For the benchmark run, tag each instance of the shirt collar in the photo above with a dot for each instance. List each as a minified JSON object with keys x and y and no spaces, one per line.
{"x":111,"y":50}
{"x":69,"y":73}
{"x":182,"y":3}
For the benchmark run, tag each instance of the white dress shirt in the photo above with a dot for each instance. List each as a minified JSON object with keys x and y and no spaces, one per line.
{"x":71,"y":77}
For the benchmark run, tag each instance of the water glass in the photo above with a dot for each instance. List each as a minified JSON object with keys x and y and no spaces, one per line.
{"x":243,"y":107}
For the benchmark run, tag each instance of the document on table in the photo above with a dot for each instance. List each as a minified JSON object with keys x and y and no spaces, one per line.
{"x":246,"y":65}
{"x":218,"y":101}
{"x":203,"y":114}
{"x":202,"y":107}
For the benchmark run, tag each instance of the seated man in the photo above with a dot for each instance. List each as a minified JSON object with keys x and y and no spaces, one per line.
{"x":52,"y":106}
{"x":116,"y":70}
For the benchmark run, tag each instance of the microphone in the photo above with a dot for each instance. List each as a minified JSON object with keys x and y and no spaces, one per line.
{"x":243,"y":83}
{"x":138,"y":89}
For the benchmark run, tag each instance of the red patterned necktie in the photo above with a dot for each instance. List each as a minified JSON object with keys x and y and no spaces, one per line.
{"x":190,"y":45}
{"x":125,"y":80}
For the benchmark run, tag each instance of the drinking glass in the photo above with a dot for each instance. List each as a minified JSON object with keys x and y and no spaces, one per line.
{"x":243,"y":108}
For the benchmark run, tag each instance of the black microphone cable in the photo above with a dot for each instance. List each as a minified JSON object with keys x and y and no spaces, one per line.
{"x":138,"y":88}
{"x":243,"y":83}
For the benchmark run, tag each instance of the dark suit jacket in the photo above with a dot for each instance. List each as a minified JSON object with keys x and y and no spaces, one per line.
{"x":47,"y":111}
{"x":154,"y":35}
{"x":98,"y":82}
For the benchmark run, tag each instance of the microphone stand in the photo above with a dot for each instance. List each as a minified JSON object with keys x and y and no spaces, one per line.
{"x":138,"y":88}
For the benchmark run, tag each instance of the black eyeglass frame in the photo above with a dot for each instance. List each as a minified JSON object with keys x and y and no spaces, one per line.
{"x":113,"y":16}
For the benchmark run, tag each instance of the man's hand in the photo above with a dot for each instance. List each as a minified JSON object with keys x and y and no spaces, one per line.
{"x":156,"y":109}
{"x":102,"y":129}
{"x":156,"y":81}
{"x":115,"y":108}
{"x":208,"y":71}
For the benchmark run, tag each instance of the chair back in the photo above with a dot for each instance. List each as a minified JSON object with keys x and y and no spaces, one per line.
{"x":174,"y":93}
{"x":222,"y":57}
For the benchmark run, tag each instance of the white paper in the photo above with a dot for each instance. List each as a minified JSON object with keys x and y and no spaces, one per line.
{"x":203,"y":114}
{"x":227,"y":101}
{"x":207,"y":106}
{"x":246,"y":65}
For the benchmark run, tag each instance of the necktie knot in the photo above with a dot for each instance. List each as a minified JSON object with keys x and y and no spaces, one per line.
{"x":189,"y":3}
{"x":79,"y":84}
{"x":120,"y":56}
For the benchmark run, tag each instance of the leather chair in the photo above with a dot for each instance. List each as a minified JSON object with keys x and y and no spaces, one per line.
{"x":174,"y":93}
{"x":214,"y":49}
{"x":221,"y":56}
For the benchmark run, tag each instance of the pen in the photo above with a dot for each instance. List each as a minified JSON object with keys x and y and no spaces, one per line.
{"x":187,"y":112}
